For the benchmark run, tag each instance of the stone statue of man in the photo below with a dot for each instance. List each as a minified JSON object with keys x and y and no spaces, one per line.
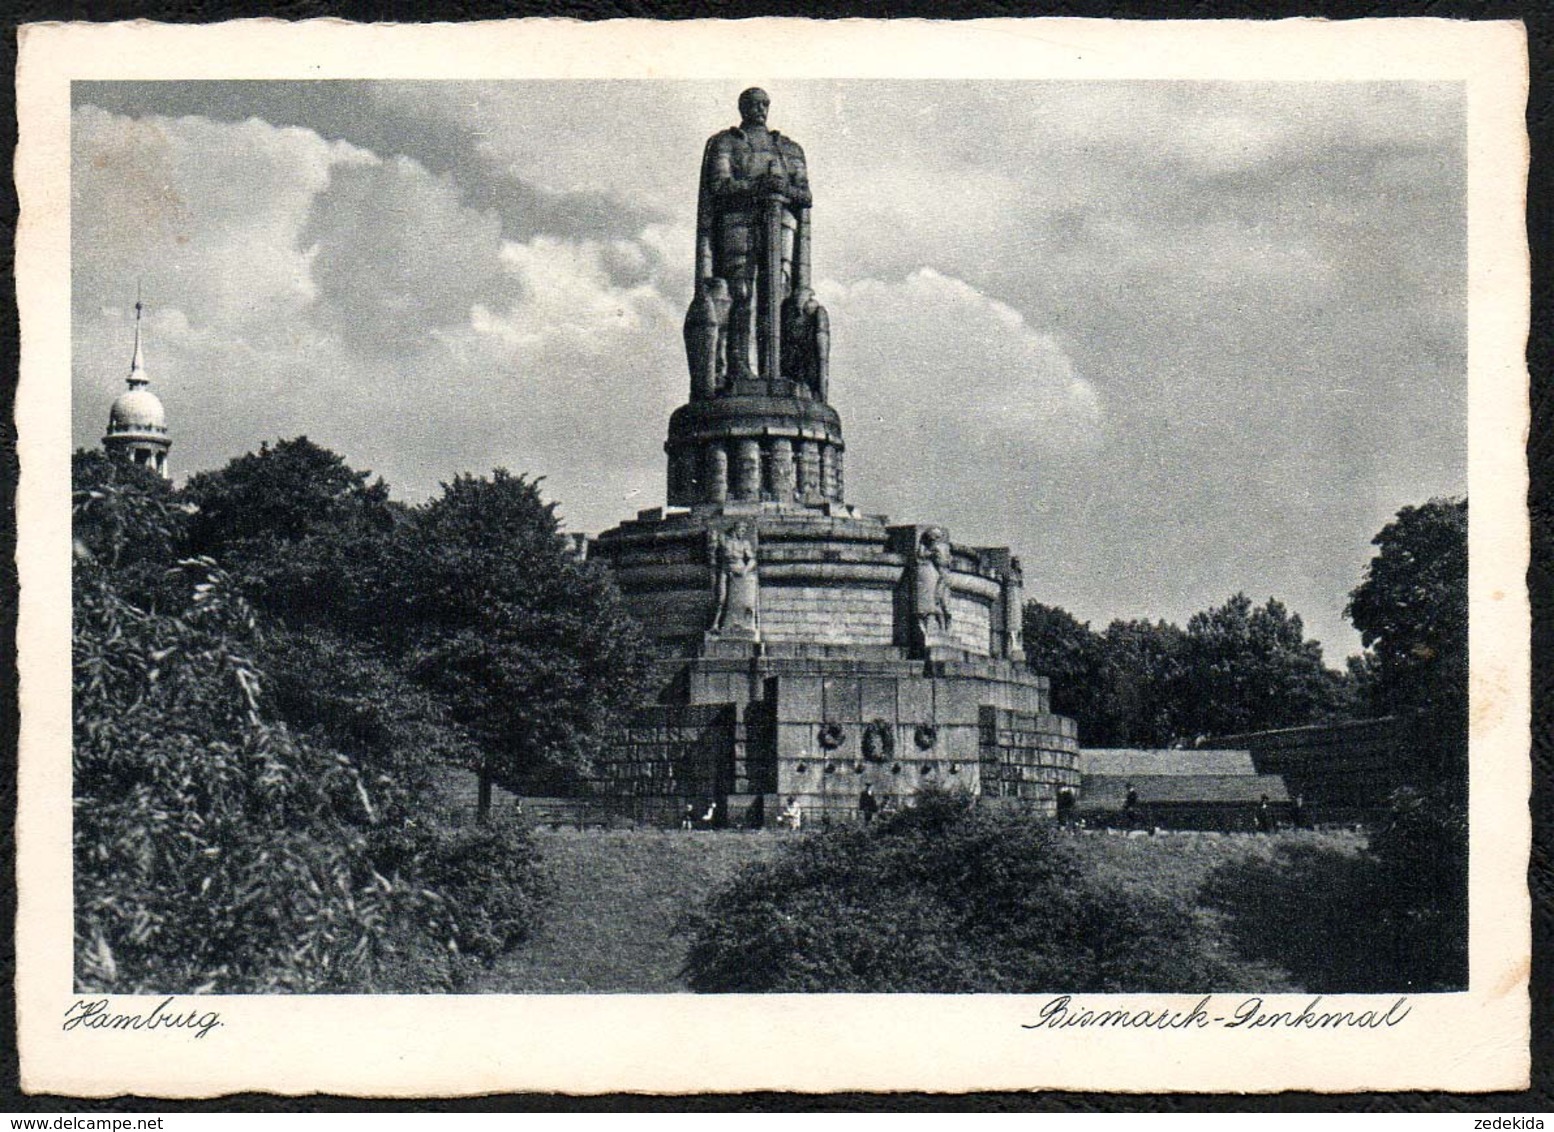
{"x":739,"y":593}
{"x":931,"y":589}
{"x":752,"y":230}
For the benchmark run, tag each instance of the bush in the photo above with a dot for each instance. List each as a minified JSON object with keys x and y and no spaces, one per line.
{"x":486,"y":887}
{"x":242,"y":831}
{"x":1422,"y":855}
{"x":946,"y":898}
{"x":210,"y":850}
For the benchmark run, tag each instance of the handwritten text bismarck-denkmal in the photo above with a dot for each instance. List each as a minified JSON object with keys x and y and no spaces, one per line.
{"x":1252,"y":1013}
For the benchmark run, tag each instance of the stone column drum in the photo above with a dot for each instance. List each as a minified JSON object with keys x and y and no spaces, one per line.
{"x":716,"y":460}
{"x":746,"y":483}
{"x":809,"y":472}
{"x":780,"y":478}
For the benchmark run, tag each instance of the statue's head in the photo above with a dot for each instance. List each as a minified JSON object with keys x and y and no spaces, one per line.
{"x":753,"y":105}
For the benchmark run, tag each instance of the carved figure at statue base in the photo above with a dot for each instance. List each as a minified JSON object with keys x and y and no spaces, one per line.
{"x":706,"y":338}
{"x":738,"y":583}
{"x":806,"y":343}
{"x":931,"y":585}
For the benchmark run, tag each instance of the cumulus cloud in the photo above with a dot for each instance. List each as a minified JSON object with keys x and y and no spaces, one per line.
{"x":397,"y":256}
{"x":296,"y":285}
{"x":943,"y":390}
{"x":907,"y":347}
{"x":1169,"y":340}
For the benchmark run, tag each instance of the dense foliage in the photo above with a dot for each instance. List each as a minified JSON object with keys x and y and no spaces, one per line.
{"x":466,"y":623}
{"x":213,"y":848}
{"x":942,"y":897}
{"x":1236,"y":667}
{"x":1411,"y":609}
{"x":274,"y":668}
{"x":1395,"y":918}
{"x":530,"y":647}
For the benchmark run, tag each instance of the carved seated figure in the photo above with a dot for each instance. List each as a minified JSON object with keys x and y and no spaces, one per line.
{"x":806,"y":342}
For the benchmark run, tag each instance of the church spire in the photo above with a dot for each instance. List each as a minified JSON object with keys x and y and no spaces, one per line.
{"x":137,"y":373}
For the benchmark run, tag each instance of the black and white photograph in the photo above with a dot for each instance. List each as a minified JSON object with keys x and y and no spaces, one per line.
{"x":982,"y":541}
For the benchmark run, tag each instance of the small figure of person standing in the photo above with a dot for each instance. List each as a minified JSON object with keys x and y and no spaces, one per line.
{"x":688,"y":819}
{"x":1130,"y":807}
{"x":1264,"y":815}
{"x":868,"y":804}
{"x":791,"y":817}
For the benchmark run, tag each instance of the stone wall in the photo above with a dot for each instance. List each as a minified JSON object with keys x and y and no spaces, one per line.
{"x":1027,"y":756}
{"x":1347,"y":765}
{"x":830,"y":576}
{"x":819,"y":727}
{"x":668,"y":757}
{"x":823,"y":614}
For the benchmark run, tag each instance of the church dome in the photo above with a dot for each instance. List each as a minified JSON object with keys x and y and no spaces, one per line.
{"x":137,"y":410}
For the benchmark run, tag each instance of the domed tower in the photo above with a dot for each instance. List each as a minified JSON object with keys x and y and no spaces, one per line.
{"x":807,"y":648}
{"x":137,"y":423}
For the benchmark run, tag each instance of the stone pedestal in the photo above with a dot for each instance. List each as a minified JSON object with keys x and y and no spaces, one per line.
{"x":837,"y":692}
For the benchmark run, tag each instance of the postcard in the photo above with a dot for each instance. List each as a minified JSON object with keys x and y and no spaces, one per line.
{"x":773,"y":555}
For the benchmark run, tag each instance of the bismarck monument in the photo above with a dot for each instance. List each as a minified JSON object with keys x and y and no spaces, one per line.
{"x":807,"y":649}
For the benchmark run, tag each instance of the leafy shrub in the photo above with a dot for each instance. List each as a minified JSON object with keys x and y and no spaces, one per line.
{"x":486,"y":889}
{"x":942,"y":897}
{"x":236,"y":832}
{"x":209,"y":849}
{"x":1422,"y":853}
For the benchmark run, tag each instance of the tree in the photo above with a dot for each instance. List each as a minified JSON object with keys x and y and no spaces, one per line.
{"x":255,"y":787}
{"x":311,"y":543}
{"x":1411,"y":609}
{"x":1236,"y":667}
{"x":1250,"y":668}
{"x":303,"y":533}
{"x":1142,"y":668}
{"x":130,"y":525}
{"x":1072,"y":656}
{"x":531,"y":647}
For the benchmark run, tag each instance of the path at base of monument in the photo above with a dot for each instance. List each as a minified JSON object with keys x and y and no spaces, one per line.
{"x":620,"y":893}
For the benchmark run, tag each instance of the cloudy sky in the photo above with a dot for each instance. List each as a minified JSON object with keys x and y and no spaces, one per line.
{"x":1167,"y":340}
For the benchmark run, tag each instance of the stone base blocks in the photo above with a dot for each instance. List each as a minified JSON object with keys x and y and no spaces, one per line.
{"x":809,"y":651}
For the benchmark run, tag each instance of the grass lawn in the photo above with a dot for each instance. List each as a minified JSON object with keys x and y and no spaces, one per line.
{"x":1175,"y":865}
{"x":621,"y":893}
